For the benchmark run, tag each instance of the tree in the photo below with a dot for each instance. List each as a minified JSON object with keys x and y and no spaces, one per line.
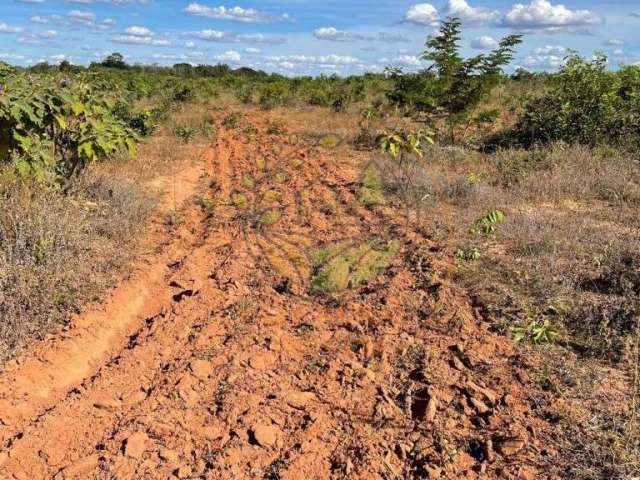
{"x":115,"y":60}
{"x":452,"y":86}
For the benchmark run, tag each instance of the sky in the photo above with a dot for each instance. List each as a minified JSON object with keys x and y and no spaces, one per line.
{"x":302,"y":37}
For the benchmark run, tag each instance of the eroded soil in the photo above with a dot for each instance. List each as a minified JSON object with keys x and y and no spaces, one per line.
{"x":283,"y":329}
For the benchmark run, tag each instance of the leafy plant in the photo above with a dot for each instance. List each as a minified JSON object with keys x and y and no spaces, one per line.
{"x":453,"y":86}
{"x":586,"y":104}
{"x":488,"y":224}
{"x":400,"y":142}
{"x":536,"y":332}
{"x":184,"y":132}
{"x":468,"y":255}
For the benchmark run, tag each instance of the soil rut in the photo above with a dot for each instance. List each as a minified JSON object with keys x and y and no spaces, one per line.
{"x":224,"y":358}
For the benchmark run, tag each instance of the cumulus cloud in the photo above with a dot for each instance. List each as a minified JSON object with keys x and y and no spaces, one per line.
{"x":484,"y":42}
{"x":422,"y":14}
{"x":230,"y":56}
{"x":468,"y":14}
{"x":556,"y":50}
{"x":137,"y":40}
{"x":211,"y":35}
{"x":614,"y":42}
{"x":335,"y":35}
{"x":237,"y":14}
{"x":331,"y":61}
{"x":5,"y":28}
{"x":47,"y":19}
{"x":139,"y":31}
{"x":544,"y":61}
{"x":83,"y":18}
{"x":543,"y":15}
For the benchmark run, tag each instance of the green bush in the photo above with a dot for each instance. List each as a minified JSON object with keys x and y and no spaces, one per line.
{"x":587,"y":104}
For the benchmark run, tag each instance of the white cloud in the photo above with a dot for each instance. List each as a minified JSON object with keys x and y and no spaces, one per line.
{"x":139,"y":31}
{"x":223,"y":37}
{"x":4,"y":28}
{"x":468,"y":14}
{"x":229,"y":56}
{"x":335,"y":35}
{"x":332,"y":59}
{"x":138,"y":40}
{"x":484,"y":42}
{"x":614,"y":43}
{"x":422,"y":14}
{"x":544,"y":61}
{"x":556,"y":50}
{"x":83,"y":18}
{"x":401,"y":60}
{"x":252,"y":51}
{"x":46,"y":19}
{"x":48,"y":34}
{"x":237,"y":14}
{"x":543,"y":15}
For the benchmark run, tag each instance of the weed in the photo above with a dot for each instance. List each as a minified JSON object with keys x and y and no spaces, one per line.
{"x":270,"y":217}
{"x":330,"y":141}
{"x":371,"y":191}
{"x":232,"y":120}
{"x":536,"y":332}
{"x":240,"y":201}
{"x":488,"y":223}
{"x":341,"y":266}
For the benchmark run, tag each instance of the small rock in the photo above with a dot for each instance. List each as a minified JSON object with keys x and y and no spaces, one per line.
{"x":79,"y":469}
{"x":432,"y":408}
{"x":511,"y":446}
{"x":368,"y":349}
{"x":299,"y":400}
{"x":457,"y":364}
{"x":168,"y":455}
{"x":262,"y":362}
{"x":479,"y":405}
{"x":183,"y":472}
{"x":201,"y":369}
{"x":134,"y":398}
{"x":490,"y":395}
{"x":433,"y":472}
{"x":266,"y":435}
{"x":135,"y":445}
{"x":108,"y":404}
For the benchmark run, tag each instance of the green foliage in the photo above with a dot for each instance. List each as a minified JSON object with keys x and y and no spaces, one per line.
{"x":488,"y":224}
{"x":586,"y":104}
{"x":58,"y":125}
{"x":453,"y":86}
{"x":341,"y":265}
{"x":371,"y":191}
{"x":184,"y":132}
{"x":402,"y":142}
{"x":536,"y":332}
{"x":468,"y":254}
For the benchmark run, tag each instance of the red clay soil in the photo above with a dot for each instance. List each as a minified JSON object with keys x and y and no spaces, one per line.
{"x":218,"y":360}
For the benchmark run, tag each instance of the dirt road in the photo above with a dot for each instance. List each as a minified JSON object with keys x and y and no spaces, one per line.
{"x":280,"y":329}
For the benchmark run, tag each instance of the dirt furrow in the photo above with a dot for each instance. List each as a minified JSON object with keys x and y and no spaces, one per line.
{"x":304,"y":335}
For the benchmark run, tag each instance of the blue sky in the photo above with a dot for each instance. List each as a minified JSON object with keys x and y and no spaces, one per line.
{"x":309,"y":37}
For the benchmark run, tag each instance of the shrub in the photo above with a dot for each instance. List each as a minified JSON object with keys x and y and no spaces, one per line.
{"x":587,"y":104}
{"x":453,"y":86}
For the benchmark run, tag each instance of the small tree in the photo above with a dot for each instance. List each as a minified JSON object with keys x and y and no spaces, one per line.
{"x":115,"y":60}
{"x":453,"y":86}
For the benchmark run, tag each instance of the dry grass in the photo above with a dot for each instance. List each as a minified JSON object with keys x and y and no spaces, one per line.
{"x":59,"y":252}
{"x":568,"y":252}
